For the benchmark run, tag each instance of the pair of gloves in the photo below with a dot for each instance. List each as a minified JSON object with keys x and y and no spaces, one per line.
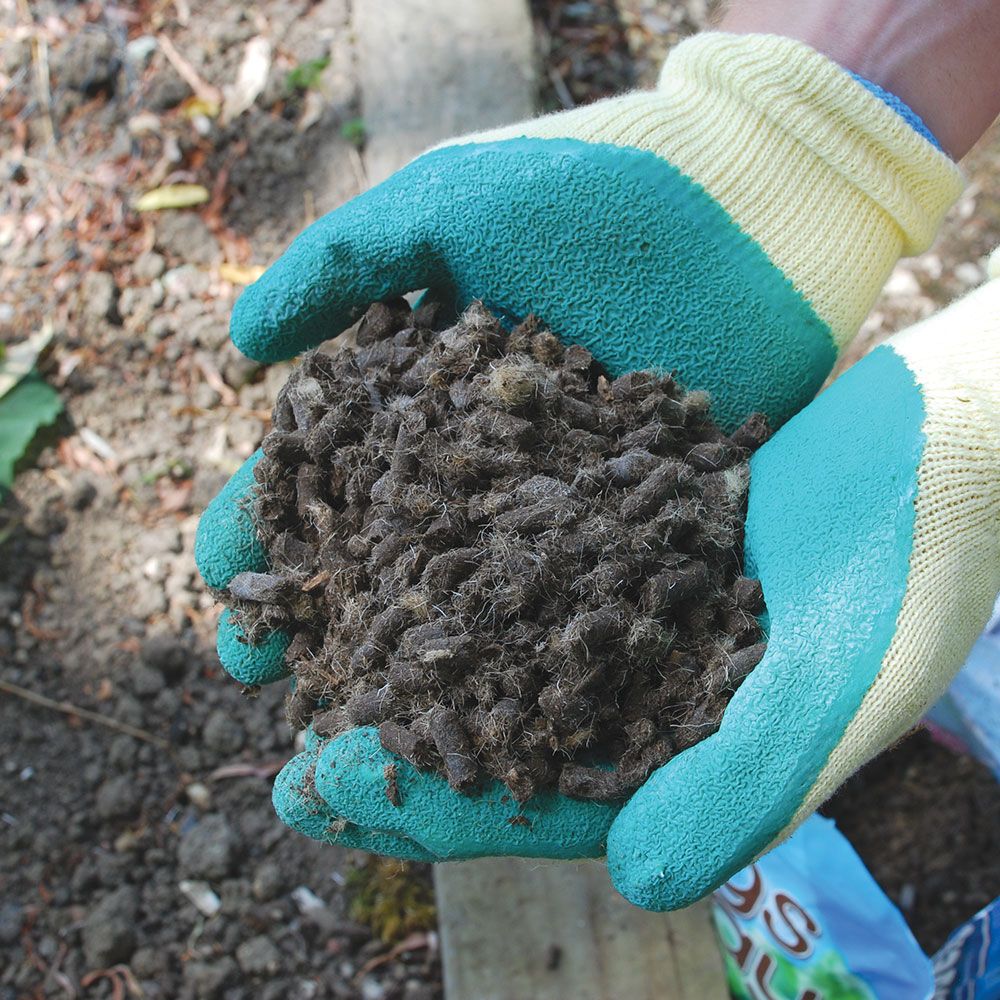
{"x":736,"y":225}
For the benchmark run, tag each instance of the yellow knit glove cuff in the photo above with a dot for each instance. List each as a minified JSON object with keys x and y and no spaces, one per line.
{"x":954,"y":573}
{"x":828,"y":180}
{"x":811,"y":164}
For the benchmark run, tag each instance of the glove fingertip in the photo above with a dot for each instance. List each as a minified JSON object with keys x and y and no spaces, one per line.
{"x":226,"y":542}
{"x":299,"y":807}
{"x":250,"y":330}
{"x":295,"y":800}
{"x":263,"y":663}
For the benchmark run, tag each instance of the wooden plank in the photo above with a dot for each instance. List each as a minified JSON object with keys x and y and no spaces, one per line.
{"x":433,"y":69}
{"x":513,"y":929}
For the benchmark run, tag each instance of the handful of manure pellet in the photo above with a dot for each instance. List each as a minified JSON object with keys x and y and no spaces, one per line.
{"x":511,"y":565}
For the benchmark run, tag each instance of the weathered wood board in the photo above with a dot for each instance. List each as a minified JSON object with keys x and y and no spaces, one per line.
{"x":429,"y":70}
{"x":514,"y":929}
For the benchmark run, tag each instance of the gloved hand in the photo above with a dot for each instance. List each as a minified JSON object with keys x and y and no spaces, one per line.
{"x":874,"y":528}
{"x":735,"y":224}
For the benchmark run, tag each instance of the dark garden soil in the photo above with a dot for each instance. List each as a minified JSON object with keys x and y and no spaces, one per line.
{"x":154,"y":861}
{"x":512,"y":565}
{"x":926,"y":822}
{"x":111,"y":845}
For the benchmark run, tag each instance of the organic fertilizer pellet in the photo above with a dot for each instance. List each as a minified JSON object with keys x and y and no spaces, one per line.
{"x":513,"y":566}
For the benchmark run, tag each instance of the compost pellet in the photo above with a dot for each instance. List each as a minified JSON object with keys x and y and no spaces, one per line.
{"x":512,"y":565}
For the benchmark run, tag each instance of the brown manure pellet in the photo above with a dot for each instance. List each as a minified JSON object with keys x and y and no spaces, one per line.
{"x":512,"y":565}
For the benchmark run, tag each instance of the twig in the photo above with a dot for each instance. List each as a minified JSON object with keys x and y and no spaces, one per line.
{"x":40,"y":59}
{"x":247,"y":770}
{"x":414,"y":942}
{"x":68,"y":708}
{"x":57,"y":168}
{"x":122,"y":979}
{"x":211,"y":374}
{"x":562,"y":91}
{"x":40,"y":64}
{"x":358,"y":167}
{"x":205,"y":91}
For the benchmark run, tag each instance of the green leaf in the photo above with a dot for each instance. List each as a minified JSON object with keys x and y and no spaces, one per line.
{"x":29,"y":405}
{"x":306,"y":74}
{"x":353,"y":130}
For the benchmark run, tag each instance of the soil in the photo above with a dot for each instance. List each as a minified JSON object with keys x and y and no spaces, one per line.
{"x":128,"y":864}
{"x":100,"y":604}
{"x":513,"y":566}
{"x":926,"y":822}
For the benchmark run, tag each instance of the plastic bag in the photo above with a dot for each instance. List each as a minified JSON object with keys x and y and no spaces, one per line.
{"x":808,"y":922}
{"x":968,"y":965}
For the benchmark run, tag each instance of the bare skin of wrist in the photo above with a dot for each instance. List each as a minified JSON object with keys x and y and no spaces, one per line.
{"x":941,"y":58}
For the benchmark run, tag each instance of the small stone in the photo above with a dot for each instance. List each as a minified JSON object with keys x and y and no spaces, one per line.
{"x":306,"y":900}
{"x":268,"y":881}
{"x":237,"y":369}
{"x":118,"y":797}
{"x":165,"y":90}
{"x":969,"y":273}
{"x":134,"y":304}
{"x":147,"y":600}
{"x":147,"y":963}
{"x":166,"y":654}
{"x":140,"y":50}
{"x":223,"y":733}
{"x":147,"y":682}
{"x":100,"y":295}
{"x":205,"y":397}
{"x":15,"y":54}
{"x":109,"y":929}
{"x":199,"y":795}
{"x":87,"y":62}
{"x":208,"y":978}
{"x":372,"y":989}
{"x":902,"y":282}
{"x":127,"y":841}
{"x":185,"y":236}
{"x":208,"y":850}
{"x":81,"y":493}
{"x":11,"y":919}
{"x":185,"y":282}
{"x":258,"y":957}
{"x":201,"y":895}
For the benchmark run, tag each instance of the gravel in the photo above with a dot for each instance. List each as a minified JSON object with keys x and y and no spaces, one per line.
{"x":109,"y":929}
{"x":209,"y":849}
{"x":258,"y":957}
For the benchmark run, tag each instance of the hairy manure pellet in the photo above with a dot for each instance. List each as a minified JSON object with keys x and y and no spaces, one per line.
{"x":511,"y":565}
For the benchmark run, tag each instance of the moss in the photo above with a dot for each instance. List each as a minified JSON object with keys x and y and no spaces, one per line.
{"x":393,"y":898}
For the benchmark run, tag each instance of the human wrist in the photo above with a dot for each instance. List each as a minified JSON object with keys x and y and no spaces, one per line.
{"x":938,"y":59}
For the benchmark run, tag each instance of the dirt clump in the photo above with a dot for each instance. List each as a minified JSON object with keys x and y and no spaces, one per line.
{"x":512,"y":565}
{"x":926,"y":822}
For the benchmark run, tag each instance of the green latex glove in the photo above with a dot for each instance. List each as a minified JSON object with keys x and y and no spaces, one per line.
{"x":874,"y":527}
{"x":630,"y":227}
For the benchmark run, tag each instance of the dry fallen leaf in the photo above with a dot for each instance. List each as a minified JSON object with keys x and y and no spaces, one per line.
{"x":240,"y":274}
{"x":19,"y":359}
{"x":195,"y":106}
{"x":250,"y":79}
{"x":172,"y":196}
